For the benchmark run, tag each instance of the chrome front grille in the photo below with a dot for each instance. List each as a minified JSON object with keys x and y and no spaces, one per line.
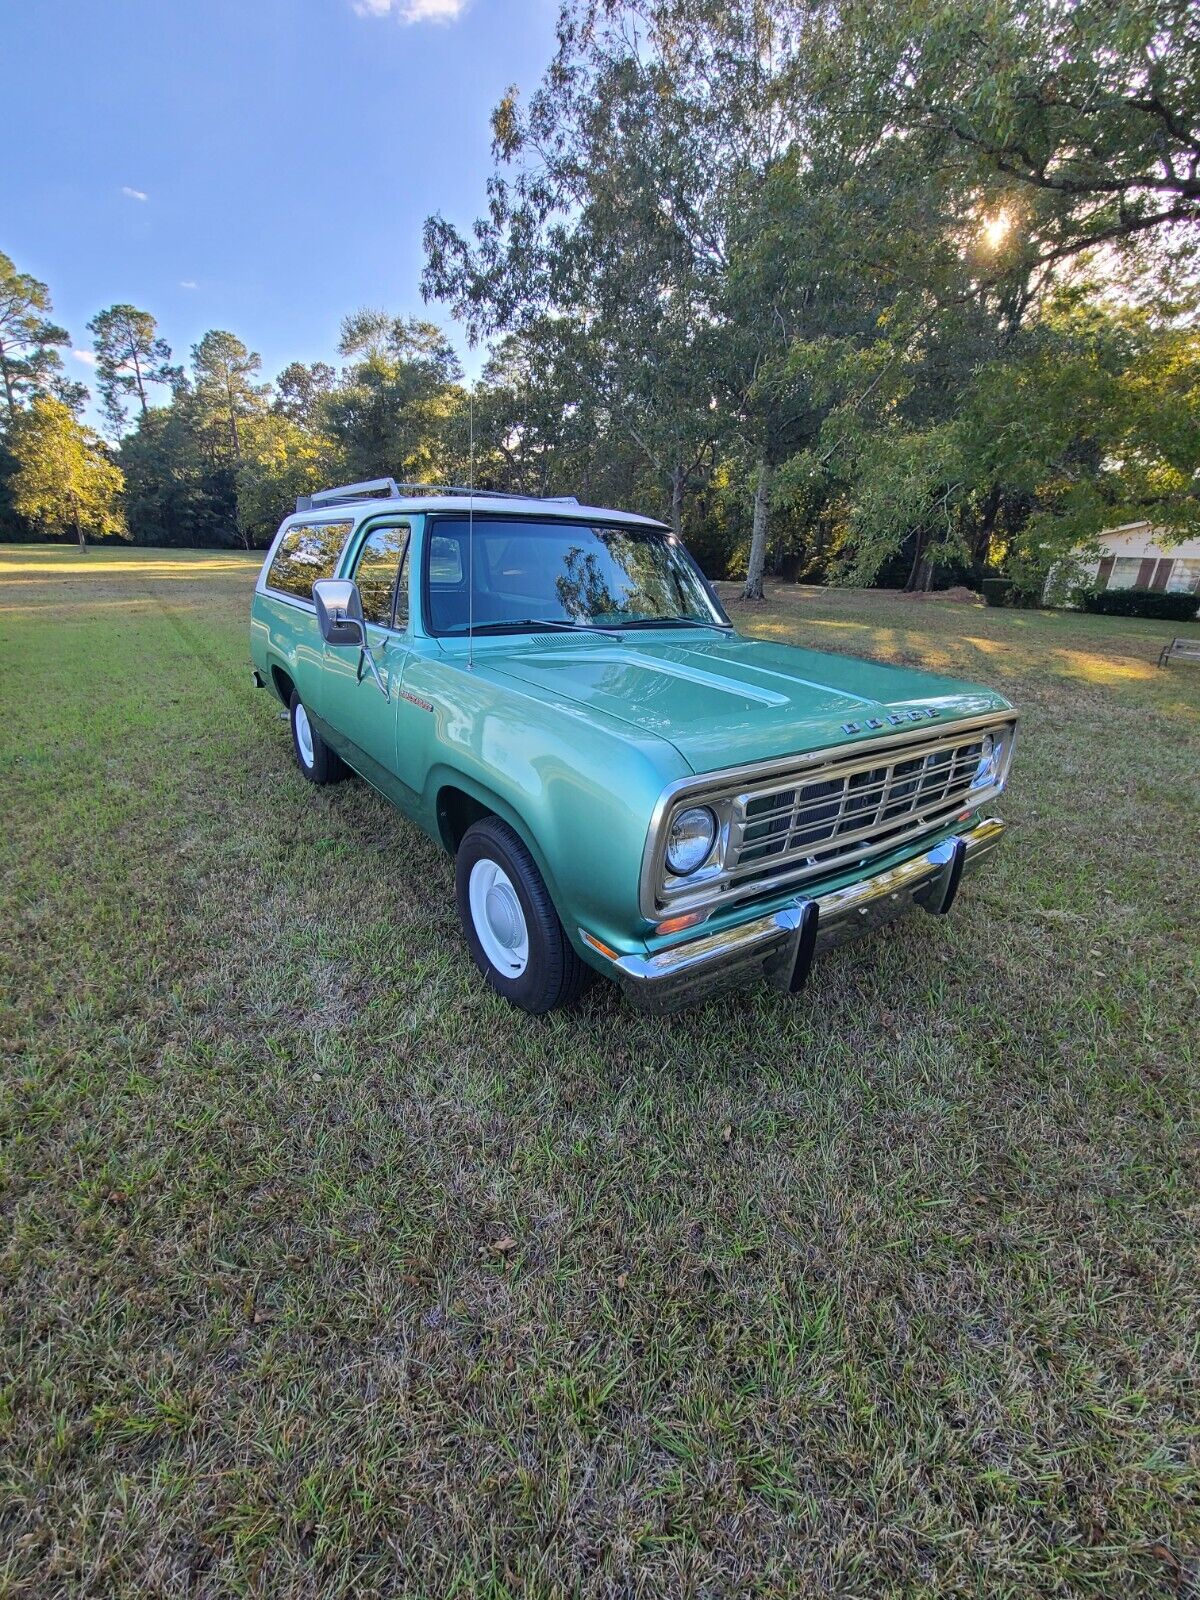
{"x":800,"y":821}
{"x":835,"y":811}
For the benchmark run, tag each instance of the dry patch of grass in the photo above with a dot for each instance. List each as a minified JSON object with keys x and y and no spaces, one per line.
{"x":322,"y":1273}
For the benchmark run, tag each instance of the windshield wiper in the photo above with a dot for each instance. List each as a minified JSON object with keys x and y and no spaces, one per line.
{"x":531,"y":622}
{"x":669,"y":622}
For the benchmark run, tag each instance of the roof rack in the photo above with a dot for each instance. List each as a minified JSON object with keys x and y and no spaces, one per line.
{"x":389,"y":489}
{"x":349,"y":491}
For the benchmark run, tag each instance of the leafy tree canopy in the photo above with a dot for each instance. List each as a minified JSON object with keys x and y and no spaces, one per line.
{"x":64,"y":480}
{"x":130,"y":358}
{"x":30,"y":364}
{"x":871,"y":294}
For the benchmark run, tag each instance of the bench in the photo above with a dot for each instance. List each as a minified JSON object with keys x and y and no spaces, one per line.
{"x":1179,"y":650}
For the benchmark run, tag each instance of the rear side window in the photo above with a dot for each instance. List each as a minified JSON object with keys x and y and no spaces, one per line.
{"x":307,"y":551}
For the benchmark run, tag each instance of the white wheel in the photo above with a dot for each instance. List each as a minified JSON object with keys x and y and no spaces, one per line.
{"x":304,"y":738}
{"x":512,"y":928}
{"x":498,"y":918}
{"x":317,"y":762}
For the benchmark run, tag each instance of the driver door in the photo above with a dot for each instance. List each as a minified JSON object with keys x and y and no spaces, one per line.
{"x":362,"y":722}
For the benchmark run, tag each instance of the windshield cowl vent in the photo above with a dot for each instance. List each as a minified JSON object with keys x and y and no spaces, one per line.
{"x":565,"y":638}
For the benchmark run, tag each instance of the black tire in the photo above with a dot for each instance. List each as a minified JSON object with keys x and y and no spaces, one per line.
{"x":553,"y":975}
{"x":325,"y":766}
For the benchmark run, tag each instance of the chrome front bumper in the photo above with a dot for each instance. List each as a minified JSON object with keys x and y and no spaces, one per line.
{"x":781,"y":945}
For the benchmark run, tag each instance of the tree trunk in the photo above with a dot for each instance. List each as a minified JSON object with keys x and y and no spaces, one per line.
{"x":758,"y":534}
{"x":8,"y":388}
{"x":981,"y":544}
{"x":233,"y":435}
{"x":75,"y":523}
{"x":137,"y":378}
{"x":914,"y":572}
{"x":677,"y":501}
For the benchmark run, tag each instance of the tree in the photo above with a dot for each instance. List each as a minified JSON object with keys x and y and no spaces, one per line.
{"x":223,"y":373}
{"x":130,"y":357}
{"x":64,"y":479}
{"x":394,"y":410}
{"x":957,"y":269}
{"x":300,"y":390}
{"x":601,"y":216}
{"x":29,"y":361}
{"x":543,"y":425}
{"x":280,"y":460}
{"x":1079,"y":116}
{"x":1090,"y":418}
{"x":675,"y":193}
{"x":180,"y":486}
{"x":783,"y":230}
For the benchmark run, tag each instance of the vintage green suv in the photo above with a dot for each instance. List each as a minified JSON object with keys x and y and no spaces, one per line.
{"x":554,"y":692}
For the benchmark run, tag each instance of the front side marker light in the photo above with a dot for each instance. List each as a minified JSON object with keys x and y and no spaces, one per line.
{"x":599,"y":945}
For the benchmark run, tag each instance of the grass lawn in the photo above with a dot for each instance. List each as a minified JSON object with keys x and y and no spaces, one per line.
{"x":324,"y":1273}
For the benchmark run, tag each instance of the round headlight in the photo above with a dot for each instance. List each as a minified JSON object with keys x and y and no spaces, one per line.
{"x":690,"y":840}
{"x":985,"y":771}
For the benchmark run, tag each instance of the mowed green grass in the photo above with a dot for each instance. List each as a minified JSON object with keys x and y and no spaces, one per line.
{"x":323,"y":1273}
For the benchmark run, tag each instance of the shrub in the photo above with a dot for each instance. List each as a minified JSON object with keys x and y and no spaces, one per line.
{"x":996,"y":591}
{"x":1140,"y":603}
{"x":1065,"y":582}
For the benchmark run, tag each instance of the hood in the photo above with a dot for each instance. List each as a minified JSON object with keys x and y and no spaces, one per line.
{"x":725,"y":701}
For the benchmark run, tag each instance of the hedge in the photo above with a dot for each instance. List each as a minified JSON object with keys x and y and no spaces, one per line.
{"x":1139,"y":603}
{"x":996,"y":591}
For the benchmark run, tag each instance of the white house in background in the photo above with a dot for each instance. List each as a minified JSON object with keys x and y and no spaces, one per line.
{"x":1131,"y":559}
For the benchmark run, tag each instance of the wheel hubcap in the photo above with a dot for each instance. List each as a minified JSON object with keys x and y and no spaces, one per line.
{"x":304,"y":737}
{"x":498,"y":918}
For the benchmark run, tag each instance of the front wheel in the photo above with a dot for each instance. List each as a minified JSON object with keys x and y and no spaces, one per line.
{"x":316,"y":760}
{"x":512,"y":928}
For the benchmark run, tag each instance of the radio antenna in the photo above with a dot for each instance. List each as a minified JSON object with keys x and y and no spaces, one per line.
{"x":471,"y":535}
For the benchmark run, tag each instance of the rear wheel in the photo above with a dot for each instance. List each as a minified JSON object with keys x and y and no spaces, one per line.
{"x":512,"y":928}
{"x":315,"y":759}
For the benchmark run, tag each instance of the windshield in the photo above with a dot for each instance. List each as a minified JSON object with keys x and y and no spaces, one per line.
{"x":574,"y":574}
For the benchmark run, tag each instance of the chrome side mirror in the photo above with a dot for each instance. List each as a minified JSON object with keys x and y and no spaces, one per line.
{"x":339,"y":612}
{"x":341,"y":621}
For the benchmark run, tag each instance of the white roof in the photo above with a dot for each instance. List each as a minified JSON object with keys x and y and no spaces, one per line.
{"x":483,"y":503}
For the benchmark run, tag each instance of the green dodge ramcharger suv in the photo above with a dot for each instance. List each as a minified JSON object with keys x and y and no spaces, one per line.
{"x":554,"y":692}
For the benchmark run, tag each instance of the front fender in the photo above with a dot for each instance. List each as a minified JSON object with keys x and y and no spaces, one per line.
{"x":443,"y":777}
{"x":578,"y":787}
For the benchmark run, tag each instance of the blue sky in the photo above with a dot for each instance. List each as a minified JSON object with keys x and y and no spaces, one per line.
{"x":258,"y":165}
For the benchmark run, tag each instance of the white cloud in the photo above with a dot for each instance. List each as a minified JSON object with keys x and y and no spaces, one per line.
{"x":187,"y":283}
{"x":133,"y":194}
{"x":412,"y":10}
{"x":86,"y":356}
